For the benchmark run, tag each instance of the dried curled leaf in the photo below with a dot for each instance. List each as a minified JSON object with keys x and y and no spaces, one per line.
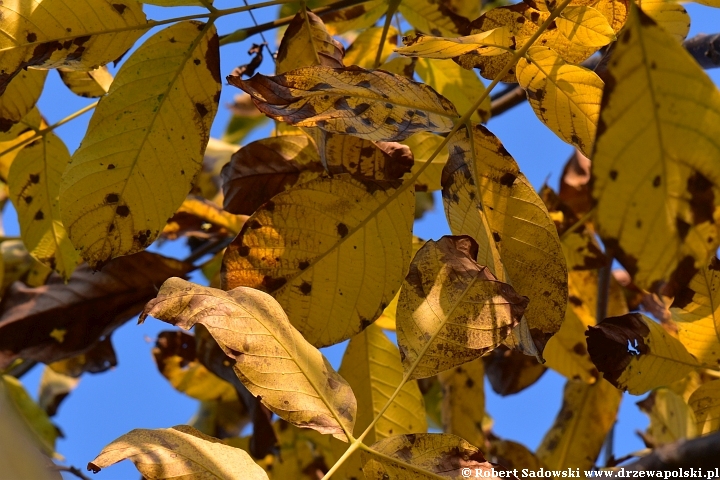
{"x":297,"y":246}
{"x":647,"y":182}
{"x":272,"y":359}
{"x":179,"y":452}
{"x":162,"y":102}
{"x":423,"y":457}
{"x":451,"y":309}
{"x":375,"y":105}
{"x":493,"y":42}
{"x":636,"y":354}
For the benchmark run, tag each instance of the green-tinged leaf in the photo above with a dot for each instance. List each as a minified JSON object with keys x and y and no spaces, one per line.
{"x":565,"y":97}
{"x":487,"y":197}
{"x":705,"y":403}
{"x":297,"y":246}
{"x":372,"y":367}
{"x":54,"y":388}
{"x":34,"y":182}
{"x":35,"y":421}
{"x":363,"y":50}
{"x":462,"y":87}
{"x":423,"y":457}
{"x":671,"y":419}
{"x":584,"y":25}
{"x":20,"y":97}
{"x":463,"y":401}
{"x":647,"y":181}
{"x":374,"y":105}
{"x":177,"y":361}
{"x":64,"y":33}
{"x":636,"y":354}
{"x":306,"y":43}
{"x":162,"y":102}
{"x":90,"y":84}
{"x":451,"y":309}
{"x":434,"y":17}
{"x":587,"y":415}
{"x":272,"y":359}
{"x":668,"y":14}
{"x":696,"y":313}
{"x":490,"y":43}
{"x":179,"y":452}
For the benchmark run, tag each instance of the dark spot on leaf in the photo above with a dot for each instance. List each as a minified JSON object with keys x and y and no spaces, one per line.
{"x":508,"y":179}
{"x":28,"y":199}
{"x":271,"y":284}
{"x":579,"y":348}
{"x":201,"y":109}
{"x":390,"y":121}
{"x":196,"y":61}
{"x":111,"y":228}
{"x":119,"y":7}
{"x":342,"y":230}
{"x":255,"y":225}
{"x":350,"y":129}
{"x":143,"y":237}
{"x":112,"y":198}
{"x":31,"y":37}
{"x":305,"y":288}
{"x":469,"y":383}
{"x":702,"y":198}
{"x":35,"y":178}
{"x":39,"y":215}
{"x":613,"y":174}
{"x":111,"y":167}
{"x":172,"y":40}
{"x":682,"y":227}
{"x":270,"y":206}
{"x":303,"y":265}
{"x":656,"y":181}
{"x":522,"y":19}
{"x":575,"y":300}
{"x":122,"y":210}
{"x":496,"y":236}
{"x":243,"y":250}
{"x":364,"y":84}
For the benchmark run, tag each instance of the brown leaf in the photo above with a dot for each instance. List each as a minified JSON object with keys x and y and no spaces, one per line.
{"x":575,"y":184}
{"x":99,"y":358}
{"x":510,"y":371}
{"x":249,"y":68}
{"x":58,"y":320}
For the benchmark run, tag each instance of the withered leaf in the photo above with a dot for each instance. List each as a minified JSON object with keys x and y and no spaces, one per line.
{"x":59,"y":320}
{"x":511,"y":371}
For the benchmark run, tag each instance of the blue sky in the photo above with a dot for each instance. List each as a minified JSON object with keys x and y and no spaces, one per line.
{"x":135,"y":395}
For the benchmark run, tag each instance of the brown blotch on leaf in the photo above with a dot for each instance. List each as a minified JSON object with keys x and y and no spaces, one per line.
{"x":143,"y":238}
{"x":303,"y":265}
{"x":212,"y":58}
{"x":656,"y":181}
{"x":201,"y":109}
{"x":112,"y":198}
{"x":679,"y":278}
{"x":243,"y":250}
{"x":255,"y":225}
{"x":196,"y":61}
{"x":111,"y":167}
{"x":305,"y":288}
{"x":342,"y":230}
{"x":683,"y":228}
{"x":35,"y":178}
{"x":496,"y":236}
{"x":31,"y":37}
{"x":702,"y":198}
{"x":271,"y":284}
{"x":613,"y":174}
{"x":122,"y":210}
{"x":28,"y":199}
{"x":579,"y":348}
{"x":575,"y":300}
{"x":269,"y":206}
{"x":508,"y":179}
{"x":39,"y":215}
{"x":608,"y":344}
{"x":119,"y":7}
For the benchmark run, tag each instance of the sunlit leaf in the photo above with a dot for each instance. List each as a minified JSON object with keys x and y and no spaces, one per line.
{"x":179,"y":452}
{"x":34,"y":419}
{"x":648,"y":182}
{"x":423,"y":145}
{"x":636,"y":354}
{"x":272,"y":359}
{"x":202,"y":218}
{"x":668,"y":14}
{"x":586,"y":416}
{"x":357,"y":17}
{"x":671,"y":419}
{"x":298,"y":245}
{"x":20,"y":96}
{"x":374,"y":105}
{"x":490,"y":43}
{"x":13,"y":140}
{"x":451,"y":309}
{"x":306,"y":42}
{"x":487,"y":197}
{"x":90,"y":84}
{"x":54,"y":388}
{"x":434,"y":17}
{"x":565,"y":97}
{"x":463,"y":401}
{"x":34,"y":182}
{"x":705,"y":403}
{"x":363,"y":50}
{"x":585,"y":26}
{"x":162,"y":101}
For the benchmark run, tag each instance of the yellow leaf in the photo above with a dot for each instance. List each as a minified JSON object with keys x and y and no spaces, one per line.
{"x":34,"y":182}
{"x":705,"y":403}
{"x":306,"y":42}
{"x":433,"y":17}
{"x":566,"y":352}
{"x":671,"y":419}
{"x":636,"y":354}
{"x":668,"y":14}
{"x":12,"y":142}
{"x":422,"y":457}
{"x":20,"y":97}
{"x":585,"y":26}
{"x":299,"y":245}
{"x":487,"y":197}
{"x":221,"y":419}
{"x":493,"y":42}
{"x":272,"y":359}
{"x":35,"y":421}
{"x":374,"y":105}
{"x":565,"y":97}
{"x":90,"y":84}
{"x":54,"y":388}
{"x":460,"y":86}
{"x":696,"y":313}
{"x":363,"y":50}
{"x":709,"y":3}
{"x":463,"y":401}
{"x":176,"y":360}
{"x":357,"y":17}
{"x":648,"y":183}
{"x":302,"y":452}
{"x":400,"y":66}
{"x":64,"y":33}
{"x":510,"y":454}
{"x":423,"y":145}
{"x":179,"y":452}
{"x":451,"y":309}
{"x":372,"y":367}
{"x":119,"y":190}
{"x":587,"y":414}
{"x":209,"y":216}
{"x":523,"y":22}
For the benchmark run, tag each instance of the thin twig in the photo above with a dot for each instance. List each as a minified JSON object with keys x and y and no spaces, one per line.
{"x":74,"y":470}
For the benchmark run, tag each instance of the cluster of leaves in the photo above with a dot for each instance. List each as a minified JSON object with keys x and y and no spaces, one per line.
{"x":318,"y":218}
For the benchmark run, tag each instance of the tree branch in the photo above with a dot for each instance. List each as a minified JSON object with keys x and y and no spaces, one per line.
{"x":701,"y":452}
{"x":705,"y":49}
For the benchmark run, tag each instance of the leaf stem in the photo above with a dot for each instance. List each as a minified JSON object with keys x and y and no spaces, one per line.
{"x":392,"y":8}
{"x":460,"y":122}
{"x":579,"y":224}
